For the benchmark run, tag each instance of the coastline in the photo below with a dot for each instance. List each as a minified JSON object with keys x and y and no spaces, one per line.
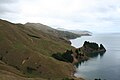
{"x":73,"y":73}
{"x":101,"y":50}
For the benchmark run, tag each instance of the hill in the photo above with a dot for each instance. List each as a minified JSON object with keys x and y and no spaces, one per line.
{"x":79,"y":32}
{"x":54,"y":32}
{"x":82,"y":33}
{"x":25,"y":53}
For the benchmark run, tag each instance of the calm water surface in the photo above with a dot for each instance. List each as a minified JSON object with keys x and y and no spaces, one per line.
{"x":106,"y":67}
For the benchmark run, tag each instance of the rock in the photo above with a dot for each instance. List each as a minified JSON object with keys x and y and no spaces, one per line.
{"x":89,"y":49}
{"x":91,"y":45}
{"x":102,"y":47}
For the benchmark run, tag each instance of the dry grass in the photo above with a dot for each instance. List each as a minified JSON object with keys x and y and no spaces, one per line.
{"x":30,"y":55}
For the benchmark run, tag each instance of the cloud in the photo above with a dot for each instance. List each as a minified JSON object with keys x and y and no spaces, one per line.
{"x":92,"y":15}
{"x":7,"y":1}
{"x":8,"y":6}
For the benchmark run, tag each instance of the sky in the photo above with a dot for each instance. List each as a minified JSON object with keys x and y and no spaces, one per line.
{"x":97,"y":16}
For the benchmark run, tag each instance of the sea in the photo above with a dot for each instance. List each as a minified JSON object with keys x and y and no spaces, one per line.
{"x":105,"y":67}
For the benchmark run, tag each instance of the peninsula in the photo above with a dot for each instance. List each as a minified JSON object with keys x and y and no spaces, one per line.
{"x":34,"y":51}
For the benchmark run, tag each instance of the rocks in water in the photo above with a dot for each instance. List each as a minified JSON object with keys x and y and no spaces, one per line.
{"x":89,"y":49}
{"x":92,"y":49}
{"x":93,"y":46}
{"x":102,"y":47}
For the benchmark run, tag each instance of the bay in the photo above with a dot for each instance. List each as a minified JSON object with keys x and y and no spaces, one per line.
{"x":106,"y":67}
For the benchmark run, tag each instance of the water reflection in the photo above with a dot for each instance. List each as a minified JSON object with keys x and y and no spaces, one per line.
{"x":104,"y":66}
{"x":101,"y":55}
{"x":92,"y":55}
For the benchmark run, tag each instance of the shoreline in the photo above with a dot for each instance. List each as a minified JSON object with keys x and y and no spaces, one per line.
{"x":101,"y":50}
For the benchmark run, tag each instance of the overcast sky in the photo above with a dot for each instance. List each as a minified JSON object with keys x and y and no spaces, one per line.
{"x":92,"y":15}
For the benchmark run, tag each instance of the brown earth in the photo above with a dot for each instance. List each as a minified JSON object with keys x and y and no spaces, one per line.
{"x":25,"y":54}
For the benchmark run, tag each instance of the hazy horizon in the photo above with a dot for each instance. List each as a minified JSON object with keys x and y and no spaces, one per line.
{"x":96,"y":16}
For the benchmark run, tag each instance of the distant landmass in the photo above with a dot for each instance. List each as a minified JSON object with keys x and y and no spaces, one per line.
{"x":80,"y":32}
{"x":51,"y":31}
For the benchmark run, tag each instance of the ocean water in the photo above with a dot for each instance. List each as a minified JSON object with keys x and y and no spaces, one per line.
{"x":106,"y":67}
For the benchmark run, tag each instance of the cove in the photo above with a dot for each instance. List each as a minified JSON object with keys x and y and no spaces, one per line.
{"x":105,"y":67}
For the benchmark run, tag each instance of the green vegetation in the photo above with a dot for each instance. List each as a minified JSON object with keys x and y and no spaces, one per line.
{"x":66,"y":56}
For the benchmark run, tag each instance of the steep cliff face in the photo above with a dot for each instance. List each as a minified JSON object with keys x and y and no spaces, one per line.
{"x":29,"y":51}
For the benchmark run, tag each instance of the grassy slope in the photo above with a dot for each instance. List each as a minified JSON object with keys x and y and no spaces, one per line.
{"x":51,"y":31}
{"x":29,"y":51}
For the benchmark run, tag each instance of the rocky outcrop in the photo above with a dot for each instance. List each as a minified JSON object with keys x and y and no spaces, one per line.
{"x":89,"y":49}
{"x":102,"y":47}
{"x":92,"y":49}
